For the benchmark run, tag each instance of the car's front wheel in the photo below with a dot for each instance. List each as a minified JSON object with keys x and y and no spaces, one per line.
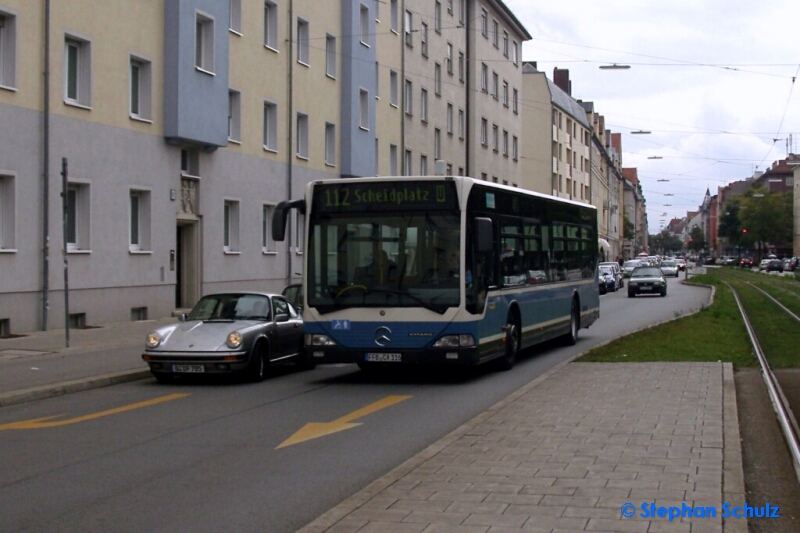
{"x":257,"y":366}
{"x":631,"y":294}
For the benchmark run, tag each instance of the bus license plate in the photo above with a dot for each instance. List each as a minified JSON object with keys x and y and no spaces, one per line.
{"x":384,"y":357}
{"x":188,"y":368}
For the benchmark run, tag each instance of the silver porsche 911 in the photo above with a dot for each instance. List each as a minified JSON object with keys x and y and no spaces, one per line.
{"x":232,"y":332}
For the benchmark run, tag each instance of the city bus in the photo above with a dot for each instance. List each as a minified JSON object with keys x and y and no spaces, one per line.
{"x":440,"y":270}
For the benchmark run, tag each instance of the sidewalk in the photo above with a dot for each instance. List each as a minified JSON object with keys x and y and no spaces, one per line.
{"x":39,"y":365}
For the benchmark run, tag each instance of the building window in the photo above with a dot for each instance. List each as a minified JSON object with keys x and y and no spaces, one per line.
{"x":393,"y":12}
{"x":302,"y":135}
{"x":495,"y":85}
{"x":484,"y":78}
{"x":393,"y":159}
{"x":267,"y":244}
{"x":330,"y":55}
{"x":494,"y":179}
{"x":407,"y":163}
{"x":505,"y":43}
{"x":8,"y":215}
{"x":330,"y":144}
{"x":462,"y":11}
{"x":408,"y":29}
{"x":423,"y":165}
{"x":407,"y":96}
{"x":423,"y":106}
{"x":204,"y":42}
{"x":484,"y":176}
{"x":484,"y":23}
{"x":377,"y":79}
{"x":140,"y":101}
{"x":393,"y":87}
{"x":449,"y":118}
{"x":437,"y":143}
{"x":505,"y":143}
{"x":139,"y":221}
{"x":234,"y":115}
{"x":450,"y":7}
{"x":514,"y":101}
{"x":8,"y":49}
{"x":230,"y":226}
{"x":423,"y":39}
{"x":377,"y":154}
{"x":437,"y":16}
{"x":270,"y":126}
{"x":460,"y":123}
{"x":514,"y":51}
{"x":235,"y":18}
{"x":271,"y":25}
{"x":78,"y":71}
{"x":363,"y":109}
{"x":495,"y":137}
{"x":505,"y":93}
{"x":364,"y":25}
{"x":448,"y":58}
{"x":302,"y":42}
{"x":190,"y":162}
{"x":495,"y":34}
{"x":300,"y":232}
{"x":514,"y":148}
{"x":484,"y":132}
{"x":461,"y":71}
{"x":437,"y":79}
{"x":78,"y":216}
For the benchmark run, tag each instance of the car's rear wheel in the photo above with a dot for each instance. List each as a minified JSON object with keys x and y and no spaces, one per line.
{"x":257,"y":366}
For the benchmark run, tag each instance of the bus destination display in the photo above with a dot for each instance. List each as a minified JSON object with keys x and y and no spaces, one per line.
{"x":376,"y":196}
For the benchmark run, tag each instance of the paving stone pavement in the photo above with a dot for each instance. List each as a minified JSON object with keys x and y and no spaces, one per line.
{"x":565,"y":452}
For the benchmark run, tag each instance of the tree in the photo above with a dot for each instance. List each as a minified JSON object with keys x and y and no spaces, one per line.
{"x":767,"y":216}
{"x":628,"y":229}
{"x":697,"y":240}
{"x":665,"y":242}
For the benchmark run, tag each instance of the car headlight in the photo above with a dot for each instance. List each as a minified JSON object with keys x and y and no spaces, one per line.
{"x":234,"y":339}
{"x":455,"y":341}
{"x":315,"y":339}
{"x":153,"y":340}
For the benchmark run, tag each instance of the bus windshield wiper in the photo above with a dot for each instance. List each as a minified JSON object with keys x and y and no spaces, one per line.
{"x":440,"y":309}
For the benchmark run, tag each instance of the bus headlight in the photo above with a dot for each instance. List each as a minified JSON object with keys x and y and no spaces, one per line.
{"x":455,"y":341}
{"x":315,"y":339}
{"x":234,"y":339}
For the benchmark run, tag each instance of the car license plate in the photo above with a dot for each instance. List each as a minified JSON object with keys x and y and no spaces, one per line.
{"x":385,"y":357}
{"x":646,"y":288}
{"x":188,"y":368}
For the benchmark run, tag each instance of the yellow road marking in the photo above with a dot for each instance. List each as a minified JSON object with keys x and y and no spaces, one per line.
{"x":312,"y":430}
{"x":38,"y":423}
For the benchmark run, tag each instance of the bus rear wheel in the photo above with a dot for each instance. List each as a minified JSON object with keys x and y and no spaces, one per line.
{"x":574,"y":324}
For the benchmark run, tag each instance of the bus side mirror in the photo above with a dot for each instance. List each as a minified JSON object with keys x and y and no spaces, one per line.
{"x":281,"y":214}
{"x":484,"y":240}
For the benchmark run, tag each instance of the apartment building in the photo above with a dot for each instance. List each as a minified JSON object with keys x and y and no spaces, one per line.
{"x":181,"y":131}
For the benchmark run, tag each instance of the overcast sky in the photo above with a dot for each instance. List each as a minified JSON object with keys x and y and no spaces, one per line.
{"x":712,"y":81}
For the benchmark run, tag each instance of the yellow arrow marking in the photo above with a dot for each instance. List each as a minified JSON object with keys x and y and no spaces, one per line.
{"x":313,"y":430}
{"x":38,"y":423}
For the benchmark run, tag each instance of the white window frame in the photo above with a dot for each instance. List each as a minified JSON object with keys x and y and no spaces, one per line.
{"x":495,"y":85}
{"x":484,"y":23}
{"x":299,"y":231}
{"x":407,"y":163}
{"x":423,"y":39}
{"x":505,"y":93}
{"x":8,"y":50}
{"x":461,"y":70}
{"x":271,"y":25}
{"x":267,"y":244}
{"x":514,"y":53}
{"x":270,"y":124}
{"x":301,"y":137}
{"x":423,"y":165}
{"x":449,"y":118}
{"x":505,"y":143}
{"x":461,"y":124}
{"x":484,"y":132}
{"x":230,"y":225}
{"x":234,"y":116}
{"x":495,"y":33}
{"x":78,"y":216}
{"x":204,"y":42}
{"x":515,"y":101}
{"x":505,"y":43}
{"x":514,"y":148}
{"x":364,"y":25}
{"x":330,"y":144}
{"x":393,"y":160}
{"x":484,"y":77}
{"x":140,"y":95}
{"x":437,"y":143}
{"x":437,"y":79}
{"x":377,"y":80}
{"x":408,"y":28}
{"x":235,"y":16}
{"x":408,"y":97}
{"x":363,"y":109}
{"x":330,"y":56}
{"x":462,"y":11}
{"x":393,"y":89}
{"x":423,"y":105}
{"x":77,"y":79}
{"x":139,"y":216}
{"x":8,"y":211}
{"x":448,"y":58}
{"x":393,"y":16}
{"x":495,"y":137}
{"x":303,"y":36}
{"x":437,"y":17}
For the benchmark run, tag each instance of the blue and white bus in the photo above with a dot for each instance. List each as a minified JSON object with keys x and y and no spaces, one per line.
{"x":440,"y":270}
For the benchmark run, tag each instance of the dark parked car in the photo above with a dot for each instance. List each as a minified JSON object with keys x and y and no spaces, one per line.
{"x":611,"y":278}
{"x":228,"y":333}
{"x":775,"y":265}
{"x":602,"y":284}
{"x":647,"y":280}
{"x":746,"y":262}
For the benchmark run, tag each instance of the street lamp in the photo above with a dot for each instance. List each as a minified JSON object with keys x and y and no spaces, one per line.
{"x":641,"y":132}
{"x":655,"y":157}
{"x":662,"y":180}
{"x":614,"y":66}
{"x":668,"y":194}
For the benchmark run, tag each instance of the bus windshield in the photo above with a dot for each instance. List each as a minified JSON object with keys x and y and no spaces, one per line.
{"x":384,"y":259}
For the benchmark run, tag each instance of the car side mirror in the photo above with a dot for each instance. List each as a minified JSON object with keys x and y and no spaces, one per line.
{"x":182,"y":317}
{"x":282,"y":318}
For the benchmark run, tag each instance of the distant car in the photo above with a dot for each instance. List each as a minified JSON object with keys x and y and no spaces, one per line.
{"x":681,"y":264}
{"x":746,"y":262}
{"x":228,"y":333}
{"x":669,"y":268}
{"x":793,"y":263}
{"x":763,"y":264}
{"x":602,"y":284}
{"x":628,"y":266}
{"x":774,"y":265}
{"x":647,"y":280}
{"x":617,"y":272}
{"x":611,"y":278}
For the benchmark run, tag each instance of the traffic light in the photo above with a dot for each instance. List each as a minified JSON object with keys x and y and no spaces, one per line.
{"x":744,"y":230}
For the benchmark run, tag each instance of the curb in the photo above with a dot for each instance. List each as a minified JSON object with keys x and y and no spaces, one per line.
{"x":76,"y":385}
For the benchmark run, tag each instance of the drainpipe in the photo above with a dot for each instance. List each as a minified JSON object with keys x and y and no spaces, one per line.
{"x":289,"y":135}
{"x":402,"y":20}
{"x":46,"y":172}
{"x":468,"y":74}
